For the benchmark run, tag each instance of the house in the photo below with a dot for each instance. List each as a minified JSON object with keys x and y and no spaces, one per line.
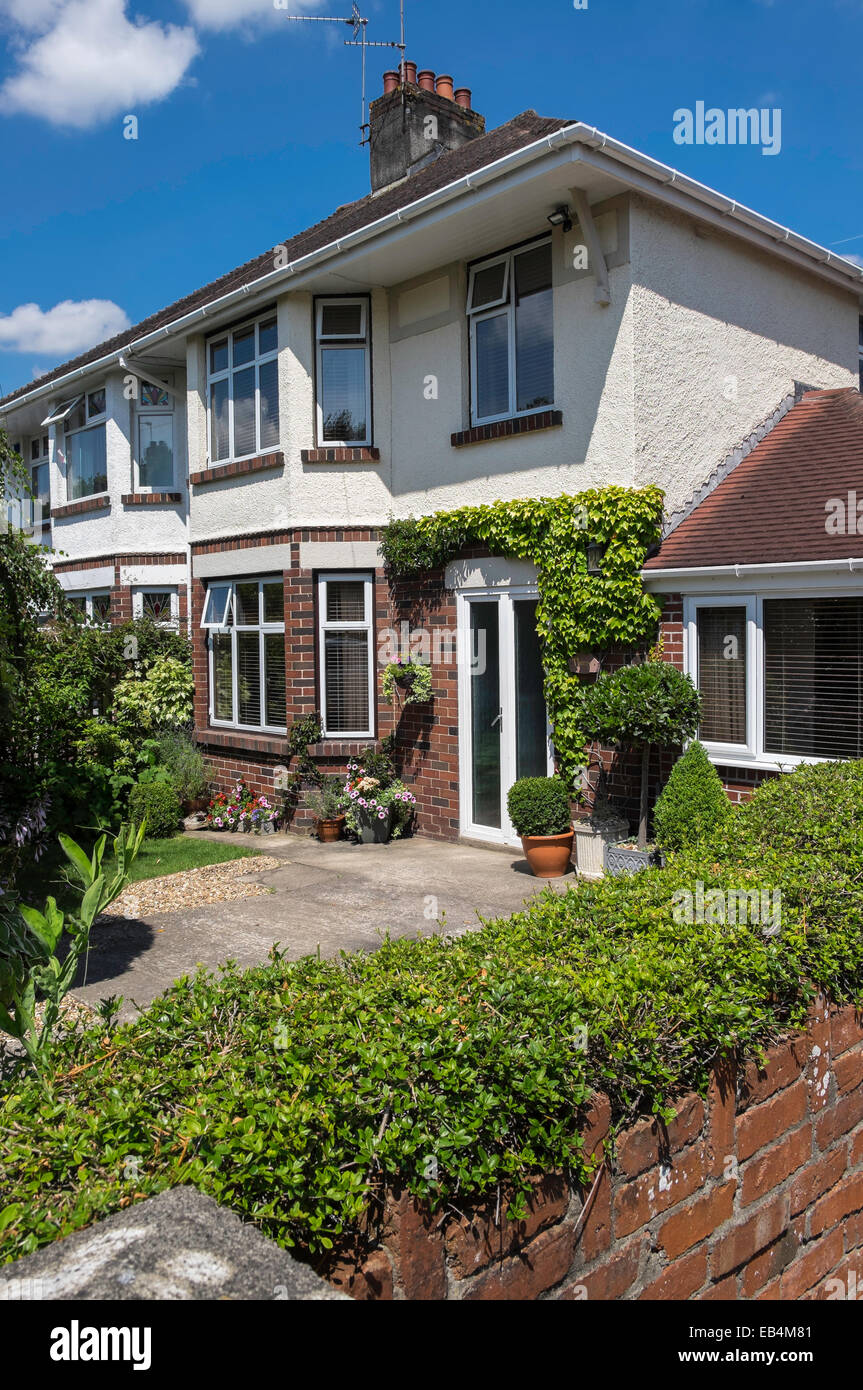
{"x":762,"y":587}
{"x":531,"y":310}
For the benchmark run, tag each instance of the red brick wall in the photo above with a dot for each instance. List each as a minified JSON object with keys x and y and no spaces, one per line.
{"x":121,"y":594}
{"x":755,"y":1192}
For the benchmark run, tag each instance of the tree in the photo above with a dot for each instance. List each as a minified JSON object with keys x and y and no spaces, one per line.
{"x":642,"y":706}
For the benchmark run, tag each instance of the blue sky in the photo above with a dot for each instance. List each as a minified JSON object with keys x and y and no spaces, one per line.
{"x":248,"y":127}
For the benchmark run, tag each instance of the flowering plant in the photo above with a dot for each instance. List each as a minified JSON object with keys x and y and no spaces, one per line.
{"x":414,"y":676}
{"x":240,"y":809}
{"x":370,"y":798}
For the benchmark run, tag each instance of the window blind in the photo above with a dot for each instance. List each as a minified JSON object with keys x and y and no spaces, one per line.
{"x":722,"y":674}
{"x":346,"y":657}
{"x":813,"y":677}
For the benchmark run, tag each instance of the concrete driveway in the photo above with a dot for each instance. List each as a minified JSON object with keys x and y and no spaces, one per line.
{"x":322,"y":897}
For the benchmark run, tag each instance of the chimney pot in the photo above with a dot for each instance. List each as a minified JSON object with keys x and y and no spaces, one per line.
{"x":462,"y":97}
{"x":443,"y":87}
{"x":411,"y":73}
{"x":426,"y":80}
{"x":391,"y":81}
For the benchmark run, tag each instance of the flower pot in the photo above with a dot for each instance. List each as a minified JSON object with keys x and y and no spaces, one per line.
{"x":591,"y":838}
{"x":548,"y":855}
{"x":269,"y":827}
{"x":373,"y":829}
{"x":619,"y":860}
{"x":330,"y":830}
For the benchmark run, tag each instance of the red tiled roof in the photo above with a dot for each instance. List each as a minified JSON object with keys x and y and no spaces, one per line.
{"x":476,"y":154}
{"x":773,"y":507}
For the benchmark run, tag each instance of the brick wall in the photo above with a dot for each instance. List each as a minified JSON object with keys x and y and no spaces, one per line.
{"x":755,"y":1192}
{"x":121,"y":594}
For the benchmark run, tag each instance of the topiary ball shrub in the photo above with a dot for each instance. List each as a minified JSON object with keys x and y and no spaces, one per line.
{"x":539,"y":806}
{"x":158,"y":804}
{"x":693,"y":802}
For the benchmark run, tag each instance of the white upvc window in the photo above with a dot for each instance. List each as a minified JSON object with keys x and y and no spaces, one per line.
{"x":243,"y":390}
{"x":154,"y":462}
{"x":95,"y":605}
{"x":780,"y":676}
{"x":83,"y":422}
{"x":346,"y":654}
{"x":245,"y":620}
{"x":344,"y":390}
{"x":160,"y":605}
{"x":509,"y":306}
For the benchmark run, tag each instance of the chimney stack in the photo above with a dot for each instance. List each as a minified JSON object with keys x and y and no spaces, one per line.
{"x":416,"y":121}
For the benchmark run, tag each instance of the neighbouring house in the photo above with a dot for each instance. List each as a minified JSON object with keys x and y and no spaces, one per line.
{"x":531,"y":310}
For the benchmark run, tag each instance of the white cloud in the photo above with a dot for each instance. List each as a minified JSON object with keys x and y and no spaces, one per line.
{"x":70,"y":327}
{"x":92,"y":63}
{"x":232,"y":14}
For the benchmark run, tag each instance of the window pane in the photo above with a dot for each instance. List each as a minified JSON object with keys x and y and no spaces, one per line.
{"x":219,"y":440}
{"x":86,"y":469}
{"x":341,"y":320}
{"x":244,"y":412}
{"x":492,"y":367}
{"x":248,"y":678}
{"x":157,"y":606}
{"x":813,"y":677}
{"x":246,"y":608}
{"x":534,"y":350}
{"x":101,"y":608}
{"x":346,"y":662}
{"x":268,"y":338}
{"x":223,"y":693}
{"x":244,"y":346}
{"x":156,"y":466}
{"x":485,"y":709}
{"x":268,"y":381}
{"x":41,"y":484}
{"x":76,"y":419}
{"x":274,"y":678}
{"x":96,"y":403}
{"x":34,"y":448}
{"x":154,"y":395}
{"x":274,"y":603}
{"x":216,"y":601}
{"x":488,"y":285}
{"x":343,"y":393}
{"x":531,"y":750}
{"x":219,"y":355}
{"x":722,"y":674}
{"x":346,"y":601}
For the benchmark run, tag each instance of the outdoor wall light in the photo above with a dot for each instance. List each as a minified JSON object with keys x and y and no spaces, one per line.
{"x":561,"y":218}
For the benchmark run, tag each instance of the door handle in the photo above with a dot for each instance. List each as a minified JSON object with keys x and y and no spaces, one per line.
{"x":499,"y":721}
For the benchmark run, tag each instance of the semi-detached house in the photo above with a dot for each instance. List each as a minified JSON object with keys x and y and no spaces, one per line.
{"x":527,"y":311}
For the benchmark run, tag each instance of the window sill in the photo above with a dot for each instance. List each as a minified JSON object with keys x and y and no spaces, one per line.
{"x":241,"y":739}
{"x":260,"y":464}
{"x":508,"y":429}
{"x":367,"y":453}
{"x":151,"y":499}
{"x":85,"y":504}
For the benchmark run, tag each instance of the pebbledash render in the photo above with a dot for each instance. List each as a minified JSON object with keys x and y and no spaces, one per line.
{"x":527,"y":311}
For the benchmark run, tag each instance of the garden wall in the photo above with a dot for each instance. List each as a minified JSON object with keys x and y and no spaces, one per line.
{"x":754,"y":1193}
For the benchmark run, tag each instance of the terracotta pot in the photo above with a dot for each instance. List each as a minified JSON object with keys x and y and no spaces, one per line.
{"x":330,"y":830}
{"x":548,"y":855}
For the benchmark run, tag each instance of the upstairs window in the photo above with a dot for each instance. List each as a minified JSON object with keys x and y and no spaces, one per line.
{"x":245,"y":619}
{"x":243,"y":376}
{"x":344,"y":372}
{"x":511,"y":339}
{"x":83,"y":420}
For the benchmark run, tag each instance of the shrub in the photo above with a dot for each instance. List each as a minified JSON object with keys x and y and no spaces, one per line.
{"x":327,"y":801}
{"x":539,"y":806}
{"x":161,"y":700}
{"x":181,"y":758}
{"x":337,"y":1077}
{"x":693,"y":802}
{"x":156,"y":803}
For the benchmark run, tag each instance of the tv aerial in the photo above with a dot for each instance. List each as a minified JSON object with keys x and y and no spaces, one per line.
{"x":360,"y":39}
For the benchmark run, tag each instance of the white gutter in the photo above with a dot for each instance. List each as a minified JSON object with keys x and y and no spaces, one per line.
{"x":851,"y":564}
{"x":565,"y":138}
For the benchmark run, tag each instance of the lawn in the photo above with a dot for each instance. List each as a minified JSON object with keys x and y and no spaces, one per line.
{"x":159,"y":857}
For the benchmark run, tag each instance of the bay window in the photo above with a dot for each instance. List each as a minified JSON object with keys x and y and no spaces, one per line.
{"x":781,"y":677}
{"x":245,"y":619}
{"x":243,"y":381}
{"x":511,"y":334}
{"x":343,"y":372}
{"x":83,"y":422}
{"x":346,"y":656}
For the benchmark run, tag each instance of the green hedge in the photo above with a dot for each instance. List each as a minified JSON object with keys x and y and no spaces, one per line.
{"x":294,"y":1092}
{"x":158,"y":804}
{"x":693,"y":803}
{"x":539,"y":806}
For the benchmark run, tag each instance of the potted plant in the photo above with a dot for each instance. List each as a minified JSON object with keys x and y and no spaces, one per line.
{"x":539,"y":810}
{"x":326,"y":803}
{"x":643,"y":706}
{"x":378,"y":805}
{"x":414,"y":678}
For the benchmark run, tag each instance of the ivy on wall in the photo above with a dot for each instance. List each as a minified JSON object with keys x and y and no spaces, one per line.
{"x":578,"y":610}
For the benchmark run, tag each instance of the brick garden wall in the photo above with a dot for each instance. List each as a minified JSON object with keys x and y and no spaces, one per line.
{"x":754,"y":1193}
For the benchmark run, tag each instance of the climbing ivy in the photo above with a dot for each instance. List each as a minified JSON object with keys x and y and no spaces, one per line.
{"x":577,"y":610}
